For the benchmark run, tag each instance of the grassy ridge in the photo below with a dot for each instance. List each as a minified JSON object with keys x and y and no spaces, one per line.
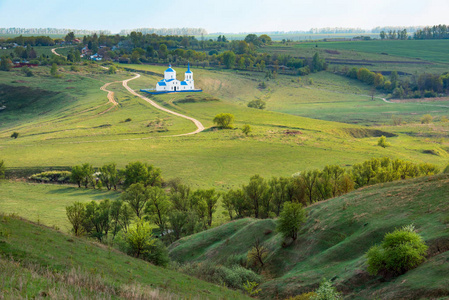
{"x":336,"y":236}
{"x":37,"y":261}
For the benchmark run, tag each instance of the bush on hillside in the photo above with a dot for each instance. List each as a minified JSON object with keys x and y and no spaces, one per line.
{"x":426,"y":119}
{"x":52,"y":176}
{"x":383,"y":142}
{"x":232,"y":277}
{"x":257,"y":103}
{"x":326,"y":292}
{"x":400,"y":251}
{"x":224,"y":120}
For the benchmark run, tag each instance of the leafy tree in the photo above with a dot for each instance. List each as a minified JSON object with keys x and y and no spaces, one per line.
{"x":257,"y":103}
{"x":96,"y":219}
{"x":5,"y":63}
{"x":69,"y":37}
{"x":158,"y":207}
{"x":2,"y":169}
{"x":310,"y":179}
{"x":15,"y":135}
{"x":178,"y":220}
{"x":87,"y":172}
{"x":163,"y":51}
{"x":318,"y":64}
{"x":210,"y":198}
{"x":400,"y":251}
{"x":180,"y":196}
{"x":335,"y":174}
{"x":137,"y":172}
{"x":258,"y":254}
{"x":54,"y":70}
{"x":114,"y":217}
{"x":255,"y":192}
{"x":291,"y":219}
{"x":109,"y":176}
{"x":224,"y":120}
{"x":136,"y":196}
{"x":140,"y":238}
{"x":229,"y":59}
{"x":246,"y":129}
{"x":234,"y":202}
{"x":76,"y":215}
{"x":279,"y":192}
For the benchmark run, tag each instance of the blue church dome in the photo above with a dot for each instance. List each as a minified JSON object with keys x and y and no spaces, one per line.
{"x":169,"y":69}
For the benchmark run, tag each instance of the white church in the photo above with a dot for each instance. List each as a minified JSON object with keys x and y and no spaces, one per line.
{"x":171,"y":84}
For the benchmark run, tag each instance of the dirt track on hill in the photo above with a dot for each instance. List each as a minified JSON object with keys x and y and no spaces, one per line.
{"x":111,"y":99}
{"x":197,"y":123}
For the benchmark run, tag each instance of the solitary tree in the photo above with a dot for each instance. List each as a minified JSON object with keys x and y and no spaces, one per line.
{"x":224,"y":120}
{"x":258,"y":254}
{"x":291,"y":219}
{"x":15,"y":135}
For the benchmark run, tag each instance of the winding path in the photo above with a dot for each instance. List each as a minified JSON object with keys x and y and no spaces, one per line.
{"x":197,"y":123}
{"x":111,"y":99}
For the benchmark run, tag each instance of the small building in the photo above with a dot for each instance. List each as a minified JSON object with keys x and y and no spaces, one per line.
{"x":171,"y":84}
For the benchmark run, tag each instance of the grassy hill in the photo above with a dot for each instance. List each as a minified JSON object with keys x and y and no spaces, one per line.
{"x":39,"y":262}
{"x":333,"y":241}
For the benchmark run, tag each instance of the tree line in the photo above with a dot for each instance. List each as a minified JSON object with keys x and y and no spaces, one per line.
{"x":262,"y":198}
{"x":424,"y":85}
{"x":432,"y":33}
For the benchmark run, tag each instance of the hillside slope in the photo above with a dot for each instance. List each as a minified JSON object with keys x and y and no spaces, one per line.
{"x":37,"y":262}
{"x":334,"y":239}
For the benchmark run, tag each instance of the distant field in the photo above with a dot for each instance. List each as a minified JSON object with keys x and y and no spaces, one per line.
{"x":297,"y":36}
{"x":430,"y":50}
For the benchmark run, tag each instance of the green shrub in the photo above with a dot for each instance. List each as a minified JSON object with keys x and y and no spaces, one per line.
{"x":426,"y":119}
{"x":400,"y":251}
{"x":52,"y":176}
{"x":157,"y":254}
{"x":232,"y":277}
{"x":383,"y":142}
{"x":326,"y":292}
{"x":258,"y":103}
{"x":15,"y":135}
{"x":246,"y":129}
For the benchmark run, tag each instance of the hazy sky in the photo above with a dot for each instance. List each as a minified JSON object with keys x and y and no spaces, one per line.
{"x":222,"y":16}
